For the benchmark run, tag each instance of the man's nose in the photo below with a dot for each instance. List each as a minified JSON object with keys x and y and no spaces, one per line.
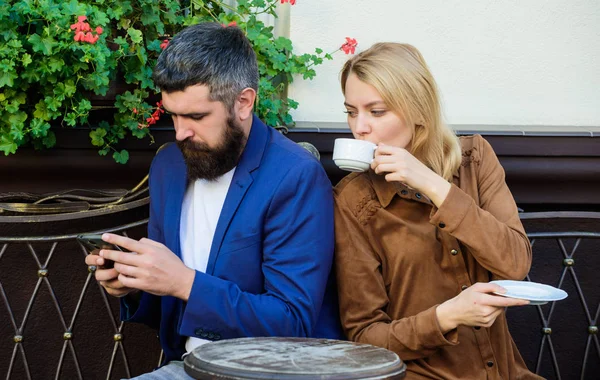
{"x":182,"y":129}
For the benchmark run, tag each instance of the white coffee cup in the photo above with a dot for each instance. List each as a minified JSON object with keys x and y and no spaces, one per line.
{"x":353,"y":155}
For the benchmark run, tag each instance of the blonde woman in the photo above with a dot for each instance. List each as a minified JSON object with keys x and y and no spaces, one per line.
{"x":421,"y":234}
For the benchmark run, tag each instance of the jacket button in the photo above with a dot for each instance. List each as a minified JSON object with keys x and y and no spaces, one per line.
{"x":217,"y":336}
{"x":211,"y":336}
{"x":199,"y":332}
{"x":490,"y":363}
{"x":463,"y":287}
{"x":442,"y":224}
{"x":454,"y":252}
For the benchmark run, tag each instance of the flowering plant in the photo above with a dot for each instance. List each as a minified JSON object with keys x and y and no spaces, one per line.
{"x":58,"y":58}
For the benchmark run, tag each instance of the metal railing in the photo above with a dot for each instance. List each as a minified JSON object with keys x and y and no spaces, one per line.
{"x":554,"y":255}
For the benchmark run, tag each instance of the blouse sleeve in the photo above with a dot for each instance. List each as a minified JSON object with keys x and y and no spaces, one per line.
{"x":363,"y":297}
{"x":491,"y":230}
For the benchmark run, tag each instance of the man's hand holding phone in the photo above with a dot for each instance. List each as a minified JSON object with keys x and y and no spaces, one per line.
{"x":105,"y":273}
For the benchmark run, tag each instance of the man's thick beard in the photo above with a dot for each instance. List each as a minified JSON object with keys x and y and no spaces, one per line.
{"x":204,"y":162}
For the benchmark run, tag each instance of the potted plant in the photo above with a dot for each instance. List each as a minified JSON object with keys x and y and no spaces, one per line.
{"x":89,"y":64}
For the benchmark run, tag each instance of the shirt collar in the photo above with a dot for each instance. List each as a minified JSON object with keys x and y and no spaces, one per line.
{"x":386,"y":191}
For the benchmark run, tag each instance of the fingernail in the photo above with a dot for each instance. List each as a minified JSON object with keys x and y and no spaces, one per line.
{"x":101,"y":253}
{"x":502,"y":290}
{"x":105,"y":237}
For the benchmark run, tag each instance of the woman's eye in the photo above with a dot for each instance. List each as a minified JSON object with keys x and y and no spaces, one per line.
{"x":350,"y":113}
{"x":378,"y":112}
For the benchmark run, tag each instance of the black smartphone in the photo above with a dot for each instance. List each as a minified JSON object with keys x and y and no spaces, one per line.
{"x":94,"y":241}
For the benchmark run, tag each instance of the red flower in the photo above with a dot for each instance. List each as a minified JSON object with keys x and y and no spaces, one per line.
{"x":292,"y":2}
{"x":81,"y":25}
{"x":233,"y":23}
{"x":90,"y":38}
{"x":164,"y":44}
{"x":83,"y":31}
{"x":349,"y":47}
{"x":135,"y":110}
{"x":79,"y":36}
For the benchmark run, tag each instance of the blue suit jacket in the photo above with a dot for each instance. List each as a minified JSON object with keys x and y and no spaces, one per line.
{"x":269,"y":267}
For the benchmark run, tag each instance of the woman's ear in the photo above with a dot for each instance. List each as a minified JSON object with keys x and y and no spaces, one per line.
{"x":245,"y":103}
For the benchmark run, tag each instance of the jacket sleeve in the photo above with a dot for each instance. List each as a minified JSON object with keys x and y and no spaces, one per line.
{"x":297,"y":258}
{"x":364,"y":299}
{"x":145,"y":308}
{"x":490,"y":229}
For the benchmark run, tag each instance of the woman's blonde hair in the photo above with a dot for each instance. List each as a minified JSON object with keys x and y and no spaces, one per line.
{"x":401,"y":76}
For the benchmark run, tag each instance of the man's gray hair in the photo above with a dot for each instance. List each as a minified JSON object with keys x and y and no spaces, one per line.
{"x":212,"y":55}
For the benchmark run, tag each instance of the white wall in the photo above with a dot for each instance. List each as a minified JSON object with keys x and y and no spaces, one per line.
{"x":515,"y":62}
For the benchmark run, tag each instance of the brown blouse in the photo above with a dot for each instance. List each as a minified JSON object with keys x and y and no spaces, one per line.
{"x":398,"y":256}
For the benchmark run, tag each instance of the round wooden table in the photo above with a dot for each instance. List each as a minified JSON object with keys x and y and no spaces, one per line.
{"x":292,"y":358}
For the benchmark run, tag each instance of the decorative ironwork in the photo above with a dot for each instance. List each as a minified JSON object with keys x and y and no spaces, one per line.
{"x":547,"y":347}
{"x":47,"y":208}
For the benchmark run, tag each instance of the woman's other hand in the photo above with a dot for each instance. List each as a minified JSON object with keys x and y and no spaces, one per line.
{"x":475,"y":306}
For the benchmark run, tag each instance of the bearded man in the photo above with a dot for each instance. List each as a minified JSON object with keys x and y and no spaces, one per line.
{"x":240,"y":236}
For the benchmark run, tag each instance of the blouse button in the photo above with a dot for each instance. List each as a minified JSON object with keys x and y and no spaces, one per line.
{"x":442,"y":224}
{"x":477,"y":327}
{"x":418,"y":195}
{"x":403,"y":192}
{"x":464,"y":287}
{"x":454,"y":252}
{"x":490,"y":363}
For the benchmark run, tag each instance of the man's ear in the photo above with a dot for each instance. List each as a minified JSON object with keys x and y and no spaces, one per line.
{"x":245,"y":103}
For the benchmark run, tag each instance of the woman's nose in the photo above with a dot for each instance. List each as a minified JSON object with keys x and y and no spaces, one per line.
{"x":362,"y":125}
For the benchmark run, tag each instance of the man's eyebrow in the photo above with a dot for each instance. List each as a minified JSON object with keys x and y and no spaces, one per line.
{"x":188,"y":114}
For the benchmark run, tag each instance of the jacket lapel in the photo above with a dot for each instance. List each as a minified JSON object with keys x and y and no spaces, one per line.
{"x":176,"y":191}
{"x":240,"y":183}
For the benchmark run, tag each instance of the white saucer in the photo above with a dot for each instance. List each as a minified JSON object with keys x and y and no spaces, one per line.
{"x":535,"y":293}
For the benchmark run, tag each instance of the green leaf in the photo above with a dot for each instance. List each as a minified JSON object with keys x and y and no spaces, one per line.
{"x":49,"y":140}
{"x":39,"y":128}
{"x":84,"y":106}
{"x":41,"y":111}
{"x":56,"y":64}
{"x":7,"y":145}
{"x":71,"y":119}
{"x":97,"y":136}
{"x":8,"y":78}
{"x":154,"y":46}
{"x":42,"y":45}
{"x":66,"y":89}
{"x":135,"y":35}
{"x":122,"y":157}
{"x":17,"y":119}
{"x":73,"y":8}
{"x":26,"y":59}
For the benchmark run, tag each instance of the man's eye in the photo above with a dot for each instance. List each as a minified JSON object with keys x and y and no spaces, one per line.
{"x":197,"y":117}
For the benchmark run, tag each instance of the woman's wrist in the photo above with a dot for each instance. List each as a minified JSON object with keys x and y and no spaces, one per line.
{"x":445,"y":317}
{"x":438,"y":189}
